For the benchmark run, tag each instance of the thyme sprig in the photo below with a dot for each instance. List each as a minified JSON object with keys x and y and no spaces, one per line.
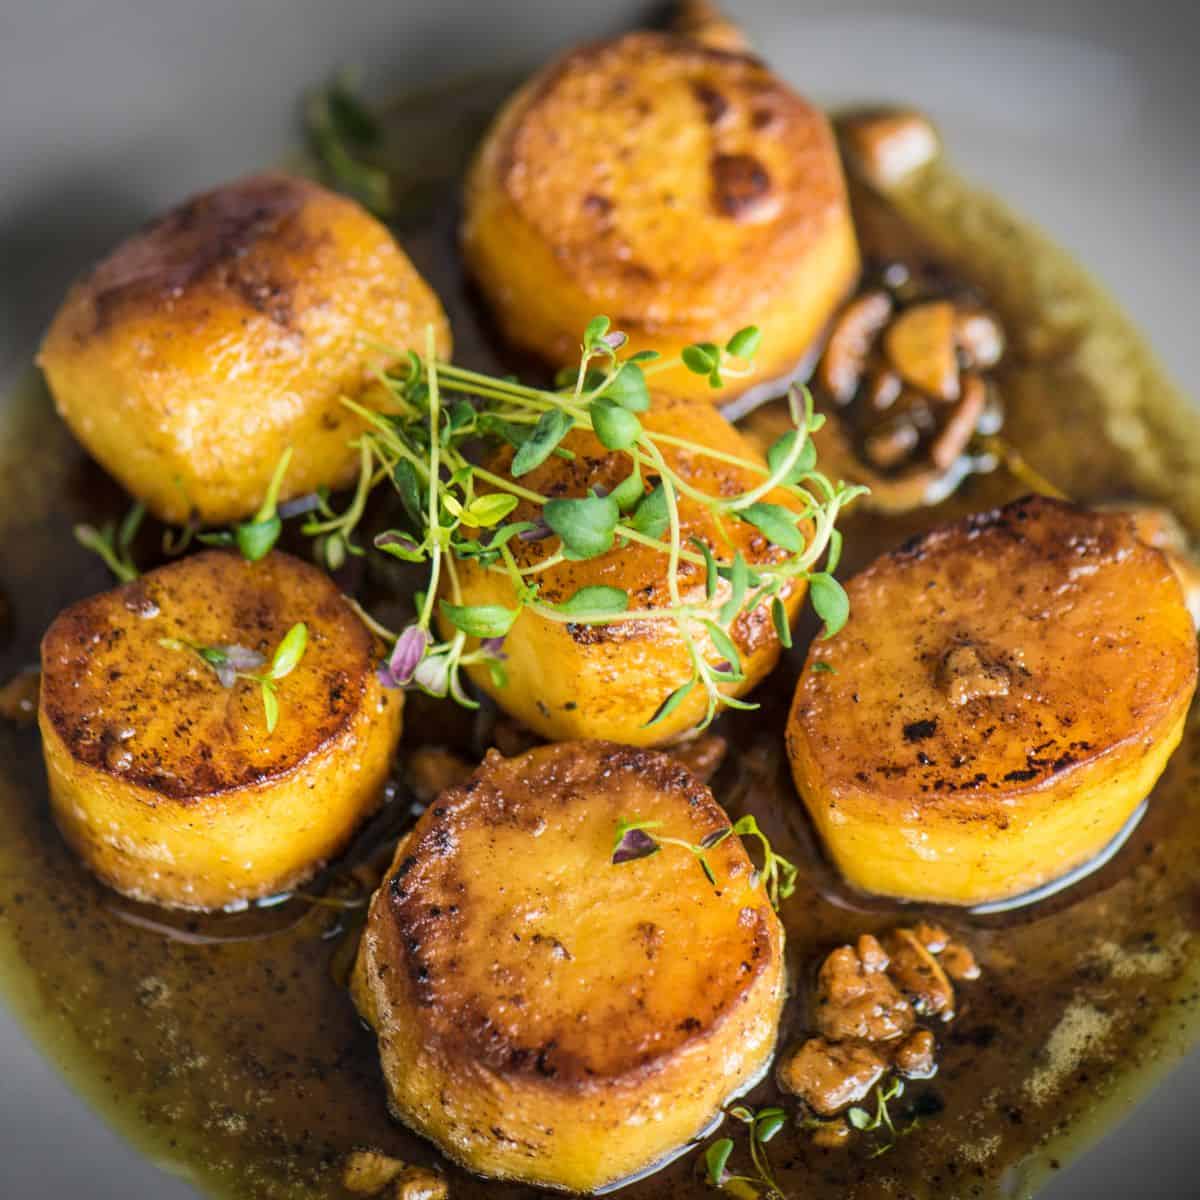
{"x":763,"y":1125}
{"x":426,"y":446}
{"x":634,"y":840}
{"x":343,"y":133}
{"x":232,"y":662}
{"x":113,"y":542}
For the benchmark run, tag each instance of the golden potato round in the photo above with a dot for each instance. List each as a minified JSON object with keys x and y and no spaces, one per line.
{"x":545,"y":1015}
{"x":166,"y":783}
{"x":1006,"y":692}
{"x":607,"y":681}
{"x":683,"y":190}
{"x":204,"y":346}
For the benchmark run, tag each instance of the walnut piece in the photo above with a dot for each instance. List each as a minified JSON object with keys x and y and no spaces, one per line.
{"x":914,"y":1056}
{"x":919,"y":976}
{"x":830,"y":1076}
{"x":366,"y":1172}
{"x":855,"y":997}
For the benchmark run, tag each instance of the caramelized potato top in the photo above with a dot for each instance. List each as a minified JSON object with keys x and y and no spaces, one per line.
{"x":158,"y":717}
{"x":659,"y":168}
{"x":995,"y":655}
{"x":511,"y":937}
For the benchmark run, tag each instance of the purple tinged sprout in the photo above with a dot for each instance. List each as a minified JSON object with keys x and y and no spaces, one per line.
{"x":615,"y":340}
{"x":409,"y":650}
{"x":493,"y":647}
{"x":539,"y":531}
{"x":433,"y":674}
{"x":392,"y":538}
{"x":229,"y":661}
{"x":634,"y":844}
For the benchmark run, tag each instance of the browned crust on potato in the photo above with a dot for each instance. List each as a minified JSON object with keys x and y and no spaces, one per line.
{"x":104,"y":672}
{"x":425,"y":902}
{"x":1018,"y":573}
{"x":794,"y":195}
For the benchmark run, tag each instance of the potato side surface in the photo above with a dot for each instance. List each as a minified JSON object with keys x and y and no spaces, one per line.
{"x":684,"y":191}
{"x":166,"y":783}
{"x":191,"y":358}
{"x":607,"y":681}
{"x":1006,"y":692}
{"x":547,"y":1016}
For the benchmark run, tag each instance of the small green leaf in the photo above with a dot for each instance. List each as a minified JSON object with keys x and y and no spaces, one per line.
{"x":782,"y":448}
{"x":821,"y":667}
{"x":597,"y":327}
{"x":725,"y":646}
{"x":739,"y":580}
{"x":859,"y":1118}
{"x":628,"y":387}
{"x":651,"y":516}
{"x":630,"y":490}
{"x":595,"y":600}
{"x":616,"y":427}
{"x":256,"y":539}
{"x":129,"y":527}
{"x":480,"y":620}
{"x":671,"y":703}
{"x":586,"y":525}
{"x":698,"y":360}
{"x":289,"y":651}
{"x":715,"y":1158}
{"x":777,"y":523}
{"x":830,"y":602}
{"x":710,"y":567}
{"x":551,"y":428}
{"x":768,"y":1123}
{"x":489,"y":509}
{"x":783,"y":628}
{"x":270,"y":705}
{"x":745,"y":343}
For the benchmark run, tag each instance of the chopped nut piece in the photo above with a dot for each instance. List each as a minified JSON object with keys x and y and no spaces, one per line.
{"x":853,"y":335}
{"x":933,"y":937}
{"x":979,"y":338}
{"x":829,"y":1077}
{"x":966,"y":677}
{"x":917,"y":974}
{"x":856,"y":999}
{"x":920,"y":345}
{"x":366,"y":1172}
{"x":914,"y":1056}
{"x":420,"y":1183}
{"x":430,"y":772}
{"x":832,"y":1136}
{"x":882,"y":388}
{"x":891,"y":444}
{"x":959,"y":963}
{"x":889,"y":146}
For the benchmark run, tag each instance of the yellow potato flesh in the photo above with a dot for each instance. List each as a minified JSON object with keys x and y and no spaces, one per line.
{"x":686,"y":192}
{"x":545,"y":1015}
{"x":608,"y":681}
{"x":965,"y":788}
{"x":166,"y":783}
{"x":203,"y":347}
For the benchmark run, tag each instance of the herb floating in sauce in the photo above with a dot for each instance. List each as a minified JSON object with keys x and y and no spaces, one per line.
{"x":634,"y":840}
{"x":764,"y":1124}
{"x":113,"y":543}
{"x":340,"y":130}
{"x":231,"y":663}
{"x":465,"y":515}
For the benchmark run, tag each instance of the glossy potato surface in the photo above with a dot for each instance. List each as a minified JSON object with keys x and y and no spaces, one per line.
{"x":683,"y":190}
{"x":607,"y":681}
{"x":545,"y":1015}
{"x":166,"y":783}
{"x":205,"y":345}
{"x":1006,"y":692}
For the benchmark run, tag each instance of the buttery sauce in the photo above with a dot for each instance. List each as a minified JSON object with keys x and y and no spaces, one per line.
{"x":226,"y":1046}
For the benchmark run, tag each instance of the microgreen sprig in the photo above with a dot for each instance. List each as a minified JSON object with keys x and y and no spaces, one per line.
{"x":763,"y":1125}
{"x":341,"y":132}
{"x":232,"y":662}
{"x":634,"y":840}
{"x":456,"y":509}
{"x":256,"y":537}
{"x":114,"y":542}
{"x":867,"y":1122}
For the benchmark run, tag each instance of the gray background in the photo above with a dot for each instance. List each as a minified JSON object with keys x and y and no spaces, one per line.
{"x":1083,"y":114}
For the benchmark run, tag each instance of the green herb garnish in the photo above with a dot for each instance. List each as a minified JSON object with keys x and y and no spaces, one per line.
{"x":232,"y":662}
{"x":427,"y":448}
{"x":342,"y":132}
{"x":763,"y":1125}
{"x":114,"y":542}
{"x":634,"y":840}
